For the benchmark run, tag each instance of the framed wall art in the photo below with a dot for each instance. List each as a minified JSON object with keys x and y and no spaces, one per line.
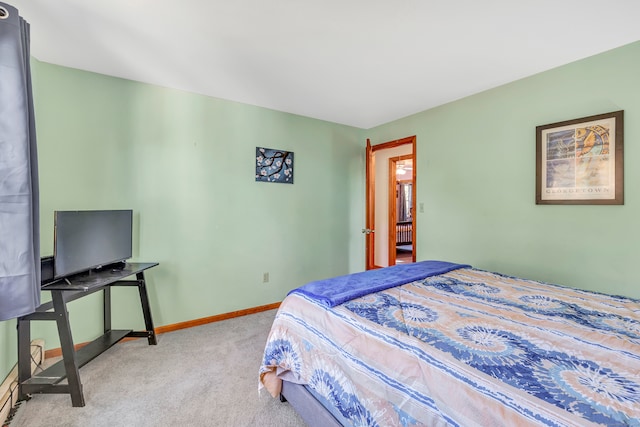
{"x":274,"y":165}
{"x":580,"y":161}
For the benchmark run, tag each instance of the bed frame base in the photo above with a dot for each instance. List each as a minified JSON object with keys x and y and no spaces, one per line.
{"x":309,"y":409}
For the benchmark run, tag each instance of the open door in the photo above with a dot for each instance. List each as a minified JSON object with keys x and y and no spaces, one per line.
{"x":370,"y":200}
{"x":377,"y":228}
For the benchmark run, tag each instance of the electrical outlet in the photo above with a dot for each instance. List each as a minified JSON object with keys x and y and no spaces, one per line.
{"x":265,"y":277}
{"x":421,"y":207}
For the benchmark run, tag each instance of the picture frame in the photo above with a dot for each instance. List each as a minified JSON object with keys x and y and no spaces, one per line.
{"x":581,"y":161}
{"x":274,"y":165}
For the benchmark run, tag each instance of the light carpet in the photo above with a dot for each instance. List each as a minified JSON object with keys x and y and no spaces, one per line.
{"x":201,"y":376}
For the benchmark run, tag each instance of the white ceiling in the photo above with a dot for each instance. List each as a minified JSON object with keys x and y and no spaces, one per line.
{"x":357,"y":62}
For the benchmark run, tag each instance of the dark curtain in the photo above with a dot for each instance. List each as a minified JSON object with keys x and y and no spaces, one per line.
{"x":19,"y":207}
{"x":402,"y":212}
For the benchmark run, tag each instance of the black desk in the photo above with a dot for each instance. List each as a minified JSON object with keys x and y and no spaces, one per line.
{"x":62,"y":292}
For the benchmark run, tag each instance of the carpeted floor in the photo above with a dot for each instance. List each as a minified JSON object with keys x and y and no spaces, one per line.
{"x":202,"y":376}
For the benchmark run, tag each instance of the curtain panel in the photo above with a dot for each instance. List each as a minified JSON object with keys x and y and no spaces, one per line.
{"x":19,"y":206}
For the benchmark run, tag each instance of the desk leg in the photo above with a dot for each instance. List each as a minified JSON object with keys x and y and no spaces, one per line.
{"x":24,"y":355}
{"x":106,"y":312}
{"x":146,"y":309}
{"x":68,"y":350}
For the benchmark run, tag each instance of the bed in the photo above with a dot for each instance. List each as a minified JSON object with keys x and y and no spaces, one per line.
{"x":404,"y":234}
{"x":435,"y":343}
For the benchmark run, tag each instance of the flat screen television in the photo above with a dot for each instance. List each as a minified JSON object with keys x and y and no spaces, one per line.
{"x":86,"y":240}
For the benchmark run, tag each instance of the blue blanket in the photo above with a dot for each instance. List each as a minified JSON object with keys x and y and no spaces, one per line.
{"x":337,"y":290}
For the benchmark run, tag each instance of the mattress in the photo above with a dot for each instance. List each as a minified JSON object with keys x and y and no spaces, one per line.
{"x":463,"y":348}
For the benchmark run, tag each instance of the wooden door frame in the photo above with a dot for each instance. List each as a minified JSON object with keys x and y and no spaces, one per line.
{"x":393,"y":211}
{"x":370,"y":194}
{"x":370,"y":213}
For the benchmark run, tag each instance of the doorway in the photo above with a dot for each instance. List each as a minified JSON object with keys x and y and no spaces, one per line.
{"x":401,"y":210}
{"x":383,"y":209}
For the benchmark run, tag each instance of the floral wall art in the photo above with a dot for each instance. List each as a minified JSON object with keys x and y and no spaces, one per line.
{"x":274,"y":165}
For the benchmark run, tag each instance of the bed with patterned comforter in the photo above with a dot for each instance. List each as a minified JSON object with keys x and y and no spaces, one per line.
{"x":465,"y":348}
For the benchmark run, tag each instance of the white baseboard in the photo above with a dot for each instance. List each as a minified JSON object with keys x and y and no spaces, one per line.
{"x":9,"y":388}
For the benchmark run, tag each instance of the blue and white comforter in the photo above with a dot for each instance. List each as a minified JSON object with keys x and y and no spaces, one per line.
{"x":465,"y":348}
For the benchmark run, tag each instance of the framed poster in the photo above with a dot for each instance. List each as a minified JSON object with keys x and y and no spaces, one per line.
{"x":274,"y":165}
{"x":580,"y":161}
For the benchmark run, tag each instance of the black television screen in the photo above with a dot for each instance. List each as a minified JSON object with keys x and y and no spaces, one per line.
{"x":84,"y":240}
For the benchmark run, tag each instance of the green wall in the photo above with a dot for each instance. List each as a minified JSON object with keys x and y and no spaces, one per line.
{"x":476,"y":178}
{"x":185,"y":164}
{"x":8,"y":346}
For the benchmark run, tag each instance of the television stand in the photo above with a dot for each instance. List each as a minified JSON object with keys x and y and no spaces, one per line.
{"x":63,"y":292}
